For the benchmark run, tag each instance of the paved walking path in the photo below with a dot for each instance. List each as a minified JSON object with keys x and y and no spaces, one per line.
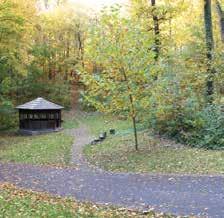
{"x":180,"y":195}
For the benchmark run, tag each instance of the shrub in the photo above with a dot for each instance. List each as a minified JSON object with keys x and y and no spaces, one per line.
{"x":202,"y":128}
{"x":174,"y":111}
{"x":8,"y":116}
{"x":177,"y":111}
{"x":211,"y":135}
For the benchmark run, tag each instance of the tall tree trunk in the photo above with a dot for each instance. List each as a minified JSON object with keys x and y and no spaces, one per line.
{"x":156,"y":30}
{"x":134,"y":122}
{"x":81,"y":48}
{"x":210,"y":47}
{"x":221,"y":18}
{"x":68,"y":48}
{"x":170,"y":28}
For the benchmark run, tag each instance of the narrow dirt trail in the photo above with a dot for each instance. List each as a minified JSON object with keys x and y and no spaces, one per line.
{"x":82,"y":137}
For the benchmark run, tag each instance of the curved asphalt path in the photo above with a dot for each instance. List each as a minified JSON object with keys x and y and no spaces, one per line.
{"x":179,"y":195}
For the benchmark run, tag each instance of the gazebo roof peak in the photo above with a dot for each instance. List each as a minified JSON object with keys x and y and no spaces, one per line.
{"x":40,"y":104}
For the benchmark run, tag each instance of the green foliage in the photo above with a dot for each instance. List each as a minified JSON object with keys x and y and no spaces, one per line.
{"x":175,"y":110}
{"x":8,"y":116}
{"x":43,"y":53}
{"x":60,"y":92}
{"x":120,"y":86}
{"x":116,"y":50}
{"x":39,"y":54}
{"x":210,"y":135}
{"x":12,"y":56}
{"x":179,"y":115}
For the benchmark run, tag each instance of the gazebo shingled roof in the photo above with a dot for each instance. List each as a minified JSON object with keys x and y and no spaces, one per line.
{"x":40,"y":104}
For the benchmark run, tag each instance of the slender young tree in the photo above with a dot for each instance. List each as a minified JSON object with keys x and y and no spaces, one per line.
{"x":120,"y":47}
{"x":210,"y":47}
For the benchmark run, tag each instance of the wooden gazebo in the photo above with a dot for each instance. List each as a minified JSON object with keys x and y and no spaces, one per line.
{"x":39,"y":116}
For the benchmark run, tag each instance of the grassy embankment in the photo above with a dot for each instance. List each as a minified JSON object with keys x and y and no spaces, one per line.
{"x":155,"y":155}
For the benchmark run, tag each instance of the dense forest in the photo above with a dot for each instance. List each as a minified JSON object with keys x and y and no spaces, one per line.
{"x":156,"y":62}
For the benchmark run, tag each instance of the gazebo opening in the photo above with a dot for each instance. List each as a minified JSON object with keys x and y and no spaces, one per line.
{"x":39,"y":116}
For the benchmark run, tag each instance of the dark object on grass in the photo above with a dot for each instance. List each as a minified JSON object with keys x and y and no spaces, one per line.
{"x":100,"y":139}
{"x":112,"y":131}
{"x":103,"y":136}
{"x":95,"y":141}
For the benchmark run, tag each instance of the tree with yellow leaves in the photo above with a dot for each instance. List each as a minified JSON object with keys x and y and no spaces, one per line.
{"x":120,"y":47}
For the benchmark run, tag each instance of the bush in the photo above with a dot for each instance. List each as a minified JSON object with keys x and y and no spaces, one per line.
{"x":211,"y":136}
{"x":84,"y":102}
{"x":176,"y":111}
{"x":202,"y":128}
{"x":8,"y":116}
{"x":60,"y":93}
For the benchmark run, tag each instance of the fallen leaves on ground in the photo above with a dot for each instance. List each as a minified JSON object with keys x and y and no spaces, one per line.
{"x":27,"y":203}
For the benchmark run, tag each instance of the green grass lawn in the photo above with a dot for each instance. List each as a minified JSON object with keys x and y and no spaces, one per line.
{"x":117,"y":153}
{"x":70,"y":120}
{"x":52,"y":148}
{"x":70,"y":124}
{"x":99,"y":123}
{"x":23,"y":204}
